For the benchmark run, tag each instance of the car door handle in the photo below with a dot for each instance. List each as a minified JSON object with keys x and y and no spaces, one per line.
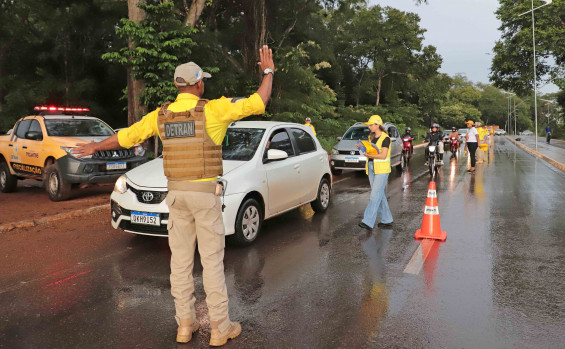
{"x":24,"y":147}
{"x":10,"y":145}
{"x":297,"y":166}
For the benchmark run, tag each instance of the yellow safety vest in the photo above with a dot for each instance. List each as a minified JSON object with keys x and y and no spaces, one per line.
{"x":380,"y":165}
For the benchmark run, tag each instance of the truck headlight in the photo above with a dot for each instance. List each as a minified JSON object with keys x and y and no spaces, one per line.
{"x":121,"y":186}
{"x":69,"y":152}
{"x":335,"y":151}
{"x":139,"y":151}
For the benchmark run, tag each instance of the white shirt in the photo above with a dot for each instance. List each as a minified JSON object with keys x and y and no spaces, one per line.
{"x":471,"y":135}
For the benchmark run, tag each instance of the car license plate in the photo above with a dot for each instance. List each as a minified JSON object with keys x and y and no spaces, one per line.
{"x":145,"y":218}
{"x":116,"y":166}
{"x":350,"y":159}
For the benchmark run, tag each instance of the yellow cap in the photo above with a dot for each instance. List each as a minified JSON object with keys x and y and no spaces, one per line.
{"x":374,"y":119}
{"x":470,"y":122}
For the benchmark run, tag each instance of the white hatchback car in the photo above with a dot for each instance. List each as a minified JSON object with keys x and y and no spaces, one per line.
{"x":269,"y":168}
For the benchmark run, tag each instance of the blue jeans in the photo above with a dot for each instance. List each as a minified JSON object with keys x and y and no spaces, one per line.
{"x":378,"y":203}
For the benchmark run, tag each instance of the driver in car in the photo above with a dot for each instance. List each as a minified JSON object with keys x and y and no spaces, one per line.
{"x":435,"y":137}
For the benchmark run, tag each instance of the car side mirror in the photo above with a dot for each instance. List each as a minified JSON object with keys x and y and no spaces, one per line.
{"x":34,"y":135}
{"x":339,"y":138}
{"x":276,"y":154}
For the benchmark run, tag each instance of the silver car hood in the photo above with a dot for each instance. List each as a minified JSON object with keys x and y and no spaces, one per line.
{"x":151,"y":174}
{"x":345,"y":145}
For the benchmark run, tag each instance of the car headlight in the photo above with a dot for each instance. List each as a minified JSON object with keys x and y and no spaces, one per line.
{"x":139,"y":151}
{"x":335,"y":151}
{"x":69,"y":152}
{"x":121,"y":185}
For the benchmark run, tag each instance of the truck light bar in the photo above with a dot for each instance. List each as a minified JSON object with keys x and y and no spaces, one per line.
{"x":52,"y":108}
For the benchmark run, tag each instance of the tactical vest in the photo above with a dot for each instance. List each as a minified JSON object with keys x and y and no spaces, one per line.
{"x":380,"y":165}
{"x":188,"y":152}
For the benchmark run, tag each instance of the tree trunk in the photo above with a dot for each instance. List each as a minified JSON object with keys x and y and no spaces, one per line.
{"x":135,"y":87}
{"x":255,"y":18}
{"x":379,"y":90}
{"x":194,"y":12}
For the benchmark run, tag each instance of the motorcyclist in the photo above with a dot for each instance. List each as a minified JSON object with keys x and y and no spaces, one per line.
{"x":452,"y":134}
{"x":435,"y":137}
{"x":408,"y":134}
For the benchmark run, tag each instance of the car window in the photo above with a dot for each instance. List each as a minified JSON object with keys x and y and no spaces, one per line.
{"x":304,"y":141}
{"x":22,"y":128}
{"x":281,"y":141}
{"x":357,"y":133}
{"x":241,"y":143}
{"x":77,"y":128}
{"x":35,"y":127}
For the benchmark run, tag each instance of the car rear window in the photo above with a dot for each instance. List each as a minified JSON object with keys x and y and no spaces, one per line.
{"x":304,"y":141}
{"x":357,"y":133}
{"x":77,"y":128}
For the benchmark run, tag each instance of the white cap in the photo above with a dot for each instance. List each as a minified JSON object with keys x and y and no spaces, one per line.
{"x":189,"y":74}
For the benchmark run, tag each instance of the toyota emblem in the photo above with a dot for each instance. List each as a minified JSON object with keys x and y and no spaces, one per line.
{"x":147,"y":196}
{"x":353,"y":153}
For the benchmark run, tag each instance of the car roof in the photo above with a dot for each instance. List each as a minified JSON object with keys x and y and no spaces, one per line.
{"x":68,"y":117}
{"x":263,"y":124}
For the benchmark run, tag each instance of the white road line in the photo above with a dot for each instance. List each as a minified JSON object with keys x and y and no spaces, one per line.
{"x":419,"y":257}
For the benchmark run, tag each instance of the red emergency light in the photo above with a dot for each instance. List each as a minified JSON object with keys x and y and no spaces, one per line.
{"x":67,"y":109}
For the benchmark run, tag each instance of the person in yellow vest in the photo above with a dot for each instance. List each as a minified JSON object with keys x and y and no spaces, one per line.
{"x":378,"y":169}
{"x":309,"y":123}
{"x":483,"y":145}
{"x":192,"y":130}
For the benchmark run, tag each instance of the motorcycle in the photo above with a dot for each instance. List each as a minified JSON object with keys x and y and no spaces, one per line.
{"x":407,"y":150}
{"x":433,"y":159}
{"x":548,"y":137}
{"x":454,"y":145}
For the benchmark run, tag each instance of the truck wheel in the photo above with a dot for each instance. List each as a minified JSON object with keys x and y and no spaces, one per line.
{"x":323,"y":198}
{"x":8,"y":182}
{"x":55,"y":185}
{"x":248,"y":222}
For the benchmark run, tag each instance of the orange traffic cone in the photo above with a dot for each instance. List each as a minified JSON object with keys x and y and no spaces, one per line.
{"x":431,"y":228}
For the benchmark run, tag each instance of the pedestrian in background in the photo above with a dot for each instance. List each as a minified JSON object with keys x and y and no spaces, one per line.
{"x":471,"y":144}
{"x":308,"y":122}
{"x":480,"y":153}
{"x":193,"y":199}
{"x":378,"y":169}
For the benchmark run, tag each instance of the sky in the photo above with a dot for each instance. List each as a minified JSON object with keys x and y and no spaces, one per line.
{"x":463,"y":31}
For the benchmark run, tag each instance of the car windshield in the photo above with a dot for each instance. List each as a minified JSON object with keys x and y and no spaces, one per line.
{"x":77,"y":128}
{"x":462,"y":130}
{"x":240,"y":144}
{"x":357,"y":133}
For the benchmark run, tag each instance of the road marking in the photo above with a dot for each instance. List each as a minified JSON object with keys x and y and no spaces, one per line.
{"x":419,"y":257}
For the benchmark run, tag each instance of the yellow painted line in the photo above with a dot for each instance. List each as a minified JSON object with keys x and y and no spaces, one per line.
{"x":419,"y":257}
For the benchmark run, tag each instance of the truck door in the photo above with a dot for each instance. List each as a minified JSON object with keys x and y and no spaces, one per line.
{"x":19,"y":161}
{"x":31,"y":148}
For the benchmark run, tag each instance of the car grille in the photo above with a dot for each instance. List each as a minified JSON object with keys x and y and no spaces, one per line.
{"x":156,"y":197}
{"x":348,"y":152}
{"x":148,"y":229}
{"x":114,"y":154}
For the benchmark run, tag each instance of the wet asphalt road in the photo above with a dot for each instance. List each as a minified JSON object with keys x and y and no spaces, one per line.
{"x":319,"y":281}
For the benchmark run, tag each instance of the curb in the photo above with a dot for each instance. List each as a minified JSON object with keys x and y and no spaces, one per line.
{"x":539,"y":155}
{"x":57,"y":217}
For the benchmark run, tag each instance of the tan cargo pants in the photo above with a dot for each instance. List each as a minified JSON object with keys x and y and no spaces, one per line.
{"x":197,"y":217}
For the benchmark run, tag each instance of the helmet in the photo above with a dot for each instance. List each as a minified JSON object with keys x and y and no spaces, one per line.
{"x":408,"y":129}
{"x":453,"y":128}
{"x":435,"y":126}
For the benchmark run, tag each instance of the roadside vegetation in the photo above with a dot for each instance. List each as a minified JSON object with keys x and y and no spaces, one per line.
{"x":338,"y":62}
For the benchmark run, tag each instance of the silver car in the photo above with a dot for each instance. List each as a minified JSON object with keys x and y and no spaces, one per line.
{"x":345,"y":155}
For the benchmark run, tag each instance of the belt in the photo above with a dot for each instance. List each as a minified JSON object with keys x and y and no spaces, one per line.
{"x":201,"y":187}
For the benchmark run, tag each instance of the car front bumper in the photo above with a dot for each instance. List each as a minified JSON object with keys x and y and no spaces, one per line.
{"x":354,"y":162}
{"x":123,"y":204}
{"x":94,"y":170}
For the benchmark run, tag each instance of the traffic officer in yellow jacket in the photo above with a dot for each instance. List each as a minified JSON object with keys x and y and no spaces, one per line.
{"x":192,"y":130}
{"x":308,"y":122}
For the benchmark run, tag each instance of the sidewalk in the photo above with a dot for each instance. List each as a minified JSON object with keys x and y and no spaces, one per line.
{"x":553,"y":153}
